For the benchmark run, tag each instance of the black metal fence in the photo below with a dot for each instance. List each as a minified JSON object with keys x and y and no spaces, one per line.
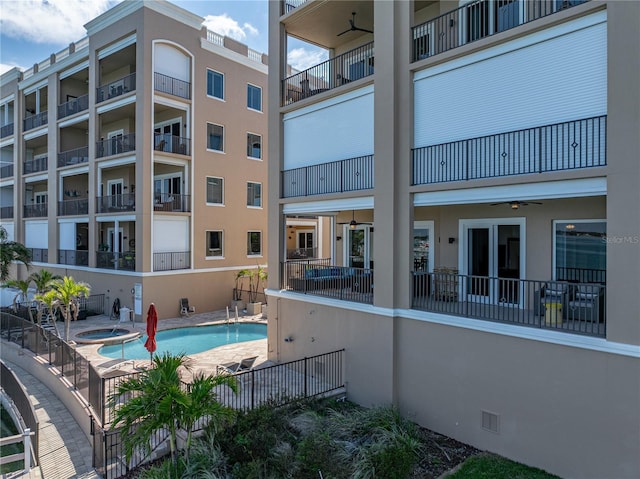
{"x":116,"y":203}
{"x":73,"y":106}
{"x":35,"y":165}
{"x":6,"y":212}
{"x":290,"y":5}
{"x":20,"y":397}
{"x":559,"y":305}
{"x":172,"y":144}
{"x":561,"y":146}
{"x":78,"y":206}
{"x":479,"y":19}
{"x":36,"y":210}
{"x":302,"y":253}
{"x":39,"y":255}
{"x":335,"y":177}
{"x":116,"y":145}
{"x":340,"y":70}
{"x":6,"y":171}
{"x":73,"y":257}
{"x":116,"y":88}
{"x":172,"y":86}
{"x":73,"y":157}
{"x":171,"y":202}
{"x":34,"y":121}
{"x":6,"y":130}
{"x":171,"y":260}
{"x":111,"y":260}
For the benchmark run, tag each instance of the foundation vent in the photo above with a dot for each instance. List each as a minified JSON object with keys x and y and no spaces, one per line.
{"x":490,"y":421}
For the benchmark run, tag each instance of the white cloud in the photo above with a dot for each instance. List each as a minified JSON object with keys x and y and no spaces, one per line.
{"x":227,"y":26}
{"x":5,"y":67}
{"x":50,"y":21}
{"x":303,"y":58}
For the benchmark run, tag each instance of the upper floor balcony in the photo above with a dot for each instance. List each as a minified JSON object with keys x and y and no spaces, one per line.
{"x":117,"y":203}
{"x":6,"y":130}
{"x":168,"y":143}
{"x":562,"y":146}
{"x":476,"y":20}
{"x":115,"y":145}
{"x":35,"y":165}
{"x":337,"y":71}
{"x":172,"y":86}
{"x":37,"y":210}
{"x":6,"y":171}
{"x":6,"y":212}
{"x":290,"y":5}
{"x":73,"y":157}
{"x":36,"y":120}
{"x":116,"y":88}
{"x":73,"y":106}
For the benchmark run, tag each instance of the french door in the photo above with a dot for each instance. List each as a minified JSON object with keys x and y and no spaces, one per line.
{"x":114,"y":240}
{"x":114,"y":191}
{"x":358,"y":247}
{"x":493,"y":260}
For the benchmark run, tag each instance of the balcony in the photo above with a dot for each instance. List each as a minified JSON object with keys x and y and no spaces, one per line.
{"x":317,"y":277}
{"x":116,"y":88}
{"x":479,"y":19}
{"x":73,"y":157}
{"x":116,"y":203}
{"x":302,"y":253}
{"x":35,"y":121}
{"x":577,"y":308}
{"x":171,"y":261}
{"x":36,"y":211}
{"x":340,"y":70}
{"x":172,"y":203}
{"x":172,"y":86}
{"x":291,"y":5}
{"x":116,"y":145}
{"x":73,"y":257}
{"x":6,"y":171}
{"x":120,"y":261}
{"x":562,"y":146}
{"x":76,"y":207}
{"x":39,"y":255}
{"x":352,"y":174}
{"x":73,"y":106}
{"x":35,"y":165}
{"x":6,"y":212}
{"x":6,"y":130}
{"x":172,"y":144}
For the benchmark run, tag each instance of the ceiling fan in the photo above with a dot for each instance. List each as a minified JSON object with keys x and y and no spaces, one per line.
{"x":515,"y":205}
{"x":353,"y":28}
{"x":353,"y":223}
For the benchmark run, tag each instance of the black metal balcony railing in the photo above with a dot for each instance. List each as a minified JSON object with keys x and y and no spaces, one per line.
{"x":6,"y":130}
{"x":116,"y":203}
{"x":319,"y":278}
{"x":171,"y":202}
{"x":35,"y":121}
{"x":570,"y":307}
{"x":6,"y":171}
{"x":39,"y":255}
{"x":73,"y":106}
{"x":562,"y":146}
{"x":172,"y":144}
{"x":109,"y":260}
{"x":171,"y":260}
{"x":73,"y":157}
{"x":302,"y":253}
{"x":116,"y":88}
{"x":476,"y":20}
{"x":116,"y":145}
{"x":36,"y":211}
{"x":340,"y":70}
{"x":290,"y":5}
{"x":172,"y":86}
{"x":73,"y":257}
{"x":35,"y":165}
{"x":335,"y":177}
{"x":78,"y":206}
{"x":6,"y":212}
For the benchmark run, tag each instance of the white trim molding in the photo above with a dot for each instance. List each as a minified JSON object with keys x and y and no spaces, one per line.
{"x":327,"y":206}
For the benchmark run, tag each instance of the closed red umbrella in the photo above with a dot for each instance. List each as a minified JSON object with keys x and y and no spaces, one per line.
{"x":152,"y":326}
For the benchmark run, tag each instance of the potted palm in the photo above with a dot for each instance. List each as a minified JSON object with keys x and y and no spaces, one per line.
{"x":237,"y":290}
{"x":256,"y":280}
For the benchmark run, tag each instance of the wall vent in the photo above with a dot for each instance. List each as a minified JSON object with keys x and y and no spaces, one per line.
{"x":490,"y":421}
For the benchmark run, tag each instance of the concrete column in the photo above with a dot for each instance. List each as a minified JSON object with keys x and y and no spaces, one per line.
{"x":52,"y":165}
{"x":94,"y":134}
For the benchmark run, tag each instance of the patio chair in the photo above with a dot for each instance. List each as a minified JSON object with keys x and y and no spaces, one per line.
{"x":587,"y":303}
{"x":247,"y":364}
{"x":228,"y":368}
{"x":185,"y":309}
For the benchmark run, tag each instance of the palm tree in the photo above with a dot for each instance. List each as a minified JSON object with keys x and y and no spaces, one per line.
{"x":158,"y":401}
{"x":23,"y":291}
{"x":11,"y":251}
{"x":47,"y":302}
{"x":67,"y":292}
{"x":43,"y":280}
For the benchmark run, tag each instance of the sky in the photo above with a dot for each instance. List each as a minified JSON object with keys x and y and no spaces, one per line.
{"x":31,"y":30}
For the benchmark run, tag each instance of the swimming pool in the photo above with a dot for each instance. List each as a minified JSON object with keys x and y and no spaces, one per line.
{"x":188,"y":340}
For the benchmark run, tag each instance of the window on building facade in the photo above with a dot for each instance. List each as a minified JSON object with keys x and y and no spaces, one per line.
{"x":215,"y":191}
{"x":214,"y":243}
{"x":254,"y":194}
{"x":254,"y":97}
{"x":254,"y":243}
{"x":215,"y":84}
{"x":254,"y":146}
{"x":580,"y":251}
{"x":215,"y":137}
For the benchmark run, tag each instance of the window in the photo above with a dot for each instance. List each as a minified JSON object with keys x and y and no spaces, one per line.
{"x":215,"y":137}
{"x":254,"y":194}
{"x":254,"y":243}
{"x":580,"y":251}
{"x":215,"y":191}
{"x":214,"y":243}
{"x":215,"y":84}
{"x":254,"y":97}
{"x":254,"y":146}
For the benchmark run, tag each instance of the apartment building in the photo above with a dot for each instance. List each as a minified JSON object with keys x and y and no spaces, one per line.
{"x":134,"y":159}
{"x":477,"y":165}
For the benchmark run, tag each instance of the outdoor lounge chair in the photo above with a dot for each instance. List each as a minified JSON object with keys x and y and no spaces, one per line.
{"x":185,"y":309}
{"x":232,"y":368}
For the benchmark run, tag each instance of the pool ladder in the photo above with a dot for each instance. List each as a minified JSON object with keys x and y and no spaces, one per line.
{"x":229,"y":318}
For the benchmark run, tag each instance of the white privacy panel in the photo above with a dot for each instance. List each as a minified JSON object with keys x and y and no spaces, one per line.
{"x":170,"y":235}
{"x":547,"y":77}
{"x":67,"y":236}
{"x":171,"y":62}
{"x":36,"y":234}
{"x":335,"y":129}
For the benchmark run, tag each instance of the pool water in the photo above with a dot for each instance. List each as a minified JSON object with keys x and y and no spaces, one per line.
{"x":188,"y":340}
{"x":103,"y":333}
